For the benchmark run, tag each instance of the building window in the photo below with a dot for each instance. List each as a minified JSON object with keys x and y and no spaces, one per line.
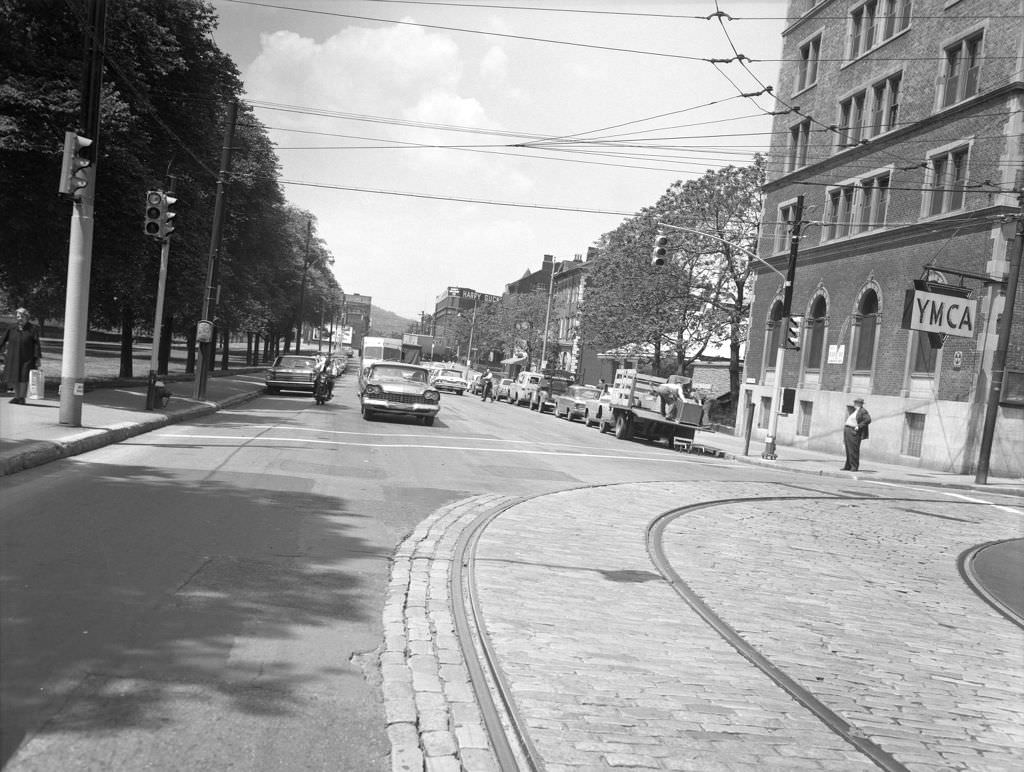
{"x":803,"y":427}
{"x":947,"y":175}
{"x":925,"y":357}
{"x":960,"y":77}
{"x":857,"y":207}
{"x":807,"y":74}
{"x":913,"y":434}
{"x":885,"y":97}
{"x":784,"y":227}
{"x":815,"y":337}
{"x":874,"y":22}
{"x":799,"y":135}
{"x":866,"y":333}
{"x":851,"y":120}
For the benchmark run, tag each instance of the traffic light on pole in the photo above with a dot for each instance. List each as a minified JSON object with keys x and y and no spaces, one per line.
{"x":72,"y":171}
{"x":660,"y":251}
{"x":166,"y":228}
{"x":793,"y":325}
{"x":154,"y":214}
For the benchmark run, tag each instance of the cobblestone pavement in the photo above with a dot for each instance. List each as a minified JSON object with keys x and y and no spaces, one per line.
{"x":860,"y":601}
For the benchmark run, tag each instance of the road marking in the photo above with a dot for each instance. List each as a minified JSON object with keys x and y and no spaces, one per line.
{"x":673,"y":458}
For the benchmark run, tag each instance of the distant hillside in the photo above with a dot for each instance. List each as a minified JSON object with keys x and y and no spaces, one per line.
{"x":387,"y":324}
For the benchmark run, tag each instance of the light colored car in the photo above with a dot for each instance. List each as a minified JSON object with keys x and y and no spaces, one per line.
{"x":597,"y":409}
{"x":450,"y":379}
{"x":523,"y":390}
{"x":393,"y":388}
{"x":291,"y":372}
{"x":501,"y":390}
{"x":572,"y":404}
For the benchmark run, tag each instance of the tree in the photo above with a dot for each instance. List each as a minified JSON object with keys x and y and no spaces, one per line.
{"x":514,"y":324}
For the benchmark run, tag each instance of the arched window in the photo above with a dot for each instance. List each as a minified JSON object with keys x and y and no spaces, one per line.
{"x":815,"y":336}
{"x":868,"y":312}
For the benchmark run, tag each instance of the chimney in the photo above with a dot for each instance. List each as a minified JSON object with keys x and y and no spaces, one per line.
{"x":549,"y":260}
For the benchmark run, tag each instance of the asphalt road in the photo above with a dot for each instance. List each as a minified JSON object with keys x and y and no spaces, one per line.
{"x":209,"y":595}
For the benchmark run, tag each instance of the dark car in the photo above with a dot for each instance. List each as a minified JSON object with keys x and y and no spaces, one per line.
{"x":291,"y":372}
{"x":548,"y":390}
{"x":573,"y":403}
{"x":394,"y":388}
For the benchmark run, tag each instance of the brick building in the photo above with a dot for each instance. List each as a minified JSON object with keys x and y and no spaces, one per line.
{"x":901,"y":124}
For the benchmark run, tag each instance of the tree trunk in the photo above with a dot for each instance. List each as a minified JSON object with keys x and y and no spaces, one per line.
{"x":190,"y":344}
{"x":225,"y":350}
{"x":126,"y":343}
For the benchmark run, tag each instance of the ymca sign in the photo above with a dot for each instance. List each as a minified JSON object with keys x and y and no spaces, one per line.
{"x":940,"y":310}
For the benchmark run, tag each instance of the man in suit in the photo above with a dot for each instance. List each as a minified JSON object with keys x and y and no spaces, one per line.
{"x":855,"y":430}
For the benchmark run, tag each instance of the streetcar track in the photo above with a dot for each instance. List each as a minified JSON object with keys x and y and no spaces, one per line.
{"x":503,"y":720}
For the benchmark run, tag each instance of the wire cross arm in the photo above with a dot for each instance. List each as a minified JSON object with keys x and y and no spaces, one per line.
{"x":724,"y":241}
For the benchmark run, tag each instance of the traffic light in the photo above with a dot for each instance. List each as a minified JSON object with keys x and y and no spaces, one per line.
{"x":793,"y":325}
{"x":168,"y":228}
{"x":660,"y":250}
{"x":154,"y":214}
{"x":72,"y":171}
{"x":158,"y":214}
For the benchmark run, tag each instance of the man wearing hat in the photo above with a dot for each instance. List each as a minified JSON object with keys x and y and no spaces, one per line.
{"x":856,"y":429}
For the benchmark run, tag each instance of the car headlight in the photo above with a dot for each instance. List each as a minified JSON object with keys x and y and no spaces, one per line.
{"x":373,"y":390}
{"x":431,"y":396}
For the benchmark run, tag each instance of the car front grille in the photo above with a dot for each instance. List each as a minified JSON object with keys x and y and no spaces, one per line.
{"x":407,"y":399}
{"x":294,"y":377}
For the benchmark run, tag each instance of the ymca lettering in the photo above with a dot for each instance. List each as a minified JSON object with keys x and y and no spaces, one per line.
{"x":943,"y":314}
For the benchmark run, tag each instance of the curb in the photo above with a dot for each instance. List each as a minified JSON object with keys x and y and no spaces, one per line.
{"x":45,"y":451}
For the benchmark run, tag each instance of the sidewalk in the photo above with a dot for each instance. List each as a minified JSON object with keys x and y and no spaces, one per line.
{"x":31,"y":434}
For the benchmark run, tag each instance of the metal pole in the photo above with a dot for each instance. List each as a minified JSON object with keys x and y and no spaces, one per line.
{"x":780,"y":356}
{"x":165,"y":250}
{"x":302,"y":288}
{"x":999,"y":358}
{"x":547,"y":318}
{"x":472,"y":327}
{"x":206,"y":352}
{"x":76,"y":302}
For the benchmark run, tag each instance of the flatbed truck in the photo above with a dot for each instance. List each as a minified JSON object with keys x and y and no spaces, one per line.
{"x":634,"y":412}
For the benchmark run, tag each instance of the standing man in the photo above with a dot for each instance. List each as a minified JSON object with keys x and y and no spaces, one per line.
{"x":23,"y":353}
{"x":856,"y":429}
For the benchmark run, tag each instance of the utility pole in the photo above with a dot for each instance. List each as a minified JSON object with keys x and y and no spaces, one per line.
{"x":302,"y":288}
{"x":205,"y":333}
{"x":76,"y":302}
{"x":547,"y":318}
{"x":1003,"y":344}
{"x":780,"y":356}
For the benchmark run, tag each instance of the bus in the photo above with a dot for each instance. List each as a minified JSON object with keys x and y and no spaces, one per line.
{"x":380,"y":350}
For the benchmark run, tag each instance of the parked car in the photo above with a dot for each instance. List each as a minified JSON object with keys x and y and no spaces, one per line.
{"x":291,"y":372}
{"x":501,"y":390}
{"x":597,"y":409}
{"x":549,"y":389}
{"x":572,"y":404}
{"x":524,"y":388}
{"x":450,"y":379}
{"x":394,"y":388}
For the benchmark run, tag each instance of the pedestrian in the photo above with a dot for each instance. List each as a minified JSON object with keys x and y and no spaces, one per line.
{"x":23,"y":353}
{"x":602,"y":385}
{"x":488,"y":386}
{"x":855,"y":430}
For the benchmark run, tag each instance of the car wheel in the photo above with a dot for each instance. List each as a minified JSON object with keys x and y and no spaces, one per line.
{"x":428,"y":420}
{"x":458,"y":393}
{"x":586,"y":419}
{"x":623,"y":428}
{"x":272,"y":390}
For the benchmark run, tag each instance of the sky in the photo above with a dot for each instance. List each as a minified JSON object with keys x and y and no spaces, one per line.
{"x":399,"y":124}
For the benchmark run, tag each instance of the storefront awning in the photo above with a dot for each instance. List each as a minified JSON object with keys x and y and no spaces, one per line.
{"x":514,"y":360}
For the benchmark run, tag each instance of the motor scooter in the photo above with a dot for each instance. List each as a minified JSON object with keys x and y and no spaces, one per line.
{"x":322,"y":388}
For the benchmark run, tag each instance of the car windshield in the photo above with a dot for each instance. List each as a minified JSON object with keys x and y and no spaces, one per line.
{"x":294,"y":362}
{"x":585,"y":392}
{"x":389,"y":373}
